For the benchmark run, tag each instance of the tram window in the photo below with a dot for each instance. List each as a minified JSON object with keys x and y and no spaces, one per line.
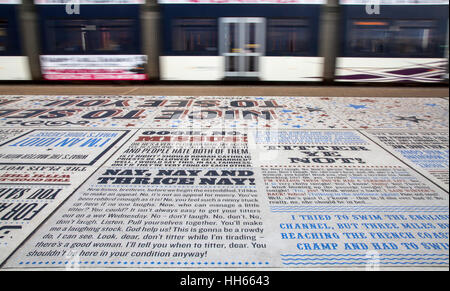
{"x":3,"y":36}
{"x":194,"y":35}
{"x":65,"y":36}
{"x":415,"y":37}
{"x":91,"y":36}
{"x":369,"y":37}
{"x":288,"y":37}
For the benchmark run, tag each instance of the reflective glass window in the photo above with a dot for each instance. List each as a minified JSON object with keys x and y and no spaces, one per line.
{"x":3,"y":36}
{"x":92,"y":36}
{"x":288,"y":37}
{"x":195,"y":35}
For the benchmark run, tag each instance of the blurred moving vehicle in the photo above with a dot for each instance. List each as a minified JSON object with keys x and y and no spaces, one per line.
{"x":213,"y":40}
{"x":13,"y":63}
{"x":241,"y":40}
{"x":406,"y":41}
{"x":100,"y":41}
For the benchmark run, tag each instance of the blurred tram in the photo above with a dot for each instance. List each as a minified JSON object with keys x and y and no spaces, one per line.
{"x":13,"y":63}
{"x":225,"y":40}
{"x":269,"y":40}
{"x":399,"y":41}
{"x":98,"y":40}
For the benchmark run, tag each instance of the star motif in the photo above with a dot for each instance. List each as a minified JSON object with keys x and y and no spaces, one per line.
{"x":310,"y":109}
{"x":410,"y":118}
{"x":357,"y":106}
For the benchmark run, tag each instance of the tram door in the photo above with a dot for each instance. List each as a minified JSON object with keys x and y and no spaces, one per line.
{"x":242,"y":42}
